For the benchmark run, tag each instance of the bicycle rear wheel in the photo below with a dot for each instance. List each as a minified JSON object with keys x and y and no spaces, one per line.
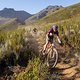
{"x":52,"y":58}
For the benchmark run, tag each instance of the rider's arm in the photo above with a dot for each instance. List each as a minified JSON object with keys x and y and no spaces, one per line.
{"x":58,"y":39}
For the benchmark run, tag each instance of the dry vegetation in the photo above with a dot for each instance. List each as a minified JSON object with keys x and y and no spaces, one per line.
{"x":19,"y":47}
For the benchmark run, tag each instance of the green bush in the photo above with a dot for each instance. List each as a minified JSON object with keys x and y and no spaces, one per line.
{"x":34,"y":71}
{"x":11,"y":42}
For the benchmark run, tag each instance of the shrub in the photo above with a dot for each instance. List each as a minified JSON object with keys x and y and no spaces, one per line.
{"x":34,"y":71}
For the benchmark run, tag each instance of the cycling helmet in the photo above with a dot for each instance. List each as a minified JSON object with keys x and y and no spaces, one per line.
{"x":55,"y":27}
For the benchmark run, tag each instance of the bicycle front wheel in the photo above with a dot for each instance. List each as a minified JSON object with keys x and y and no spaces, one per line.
{"x":52,"y":58}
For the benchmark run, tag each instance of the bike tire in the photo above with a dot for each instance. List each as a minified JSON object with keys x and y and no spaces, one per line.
{"x":52,"y":58}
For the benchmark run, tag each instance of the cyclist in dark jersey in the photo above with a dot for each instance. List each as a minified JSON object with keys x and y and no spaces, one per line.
{"x":50,"y":35}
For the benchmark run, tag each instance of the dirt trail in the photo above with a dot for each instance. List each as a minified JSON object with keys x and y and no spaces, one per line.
{"x":65,"y":70}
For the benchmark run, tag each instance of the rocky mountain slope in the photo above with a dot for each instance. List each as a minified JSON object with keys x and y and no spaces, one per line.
{"x":43,"y":13}
{"x":62,"y":14}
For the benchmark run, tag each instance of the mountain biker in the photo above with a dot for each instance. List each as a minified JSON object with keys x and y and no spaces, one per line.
{"x":50,"y":35}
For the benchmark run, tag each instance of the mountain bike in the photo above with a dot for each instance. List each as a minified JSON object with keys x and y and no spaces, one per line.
{"x":51,"y":55}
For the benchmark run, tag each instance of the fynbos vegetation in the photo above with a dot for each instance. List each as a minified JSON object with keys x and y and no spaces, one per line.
{"x":20,"y":48}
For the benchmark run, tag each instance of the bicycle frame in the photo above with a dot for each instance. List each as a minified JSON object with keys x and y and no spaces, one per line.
{"x":52,"y":54}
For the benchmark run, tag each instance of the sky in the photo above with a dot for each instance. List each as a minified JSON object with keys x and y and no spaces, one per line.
{"x":34,"y":6}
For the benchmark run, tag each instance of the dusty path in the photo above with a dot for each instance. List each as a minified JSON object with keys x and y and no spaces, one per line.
{"x":68,"y":72}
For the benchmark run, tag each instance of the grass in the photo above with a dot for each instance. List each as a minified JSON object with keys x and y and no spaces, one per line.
{"x":34,"y":71}
{"x":8,"y":24}
{"x":10,"y":41}
{"x":70,"y":34}
{"x":62,"y":14}
{"x":68,"y":20}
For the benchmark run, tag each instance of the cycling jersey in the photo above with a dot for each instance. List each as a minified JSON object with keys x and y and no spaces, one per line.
{"x":53,"y":32}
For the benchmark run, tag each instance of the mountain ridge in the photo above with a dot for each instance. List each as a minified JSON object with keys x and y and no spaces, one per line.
{"x":43,"y":13}
{"x":62,"y":14}
{"x":11,"y":13}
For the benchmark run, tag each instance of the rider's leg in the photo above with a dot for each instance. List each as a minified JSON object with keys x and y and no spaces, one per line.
{"x":53,"y":44}
{"x":47,"y":41}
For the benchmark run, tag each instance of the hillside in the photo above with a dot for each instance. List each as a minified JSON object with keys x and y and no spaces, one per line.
{"x":21,"y":49}
{"x":3,"y":20}
{"x":8,"y":23}
{"x":62,"y":14}
{"x":68,"y":68}
{"x":11,"y":13}
{"x":48,"y":10}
